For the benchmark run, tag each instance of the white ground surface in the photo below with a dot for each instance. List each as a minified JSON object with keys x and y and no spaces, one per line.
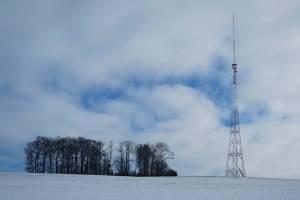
{"x":79,"y":187}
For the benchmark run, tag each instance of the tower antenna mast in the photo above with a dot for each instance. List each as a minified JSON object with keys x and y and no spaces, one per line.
{"x":235,"y":161}
{"x":233,"y":37}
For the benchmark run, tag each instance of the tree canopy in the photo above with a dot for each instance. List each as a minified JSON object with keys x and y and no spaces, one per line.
{"x":68,"y":155}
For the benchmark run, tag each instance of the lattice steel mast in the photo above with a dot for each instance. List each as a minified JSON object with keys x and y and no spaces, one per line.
{"x":235,"y":161}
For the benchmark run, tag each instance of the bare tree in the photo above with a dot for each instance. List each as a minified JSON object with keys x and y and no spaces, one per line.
{"x":30,"y":157}
{"x":107,"y":165}
{"x":84,"y":156}
{"x":120,"y":160}
{"x":163,"y":153}
{"x":129,"y":147}
{"x":143,"y":159}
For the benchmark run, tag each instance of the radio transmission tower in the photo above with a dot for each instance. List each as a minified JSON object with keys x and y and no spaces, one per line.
{"x":235,"y":161}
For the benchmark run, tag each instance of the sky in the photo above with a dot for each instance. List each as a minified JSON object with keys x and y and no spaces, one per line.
{"x":151,"y":71}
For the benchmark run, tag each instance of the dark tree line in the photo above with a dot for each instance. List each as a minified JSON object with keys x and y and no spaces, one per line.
{"x":69,"y":156}
{"x":151,"y":160}
{"x":85,"y":156}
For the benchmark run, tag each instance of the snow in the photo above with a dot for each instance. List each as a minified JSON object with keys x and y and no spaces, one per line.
{"x":80,"y":187}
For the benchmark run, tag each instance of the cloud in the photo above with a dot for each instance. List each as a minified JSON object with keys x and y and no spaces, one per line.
{"x":153,"y":71}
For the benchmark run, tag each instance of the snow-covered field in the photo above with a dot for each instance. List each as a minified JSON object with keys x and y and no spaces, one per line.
{"x":79,"y":187}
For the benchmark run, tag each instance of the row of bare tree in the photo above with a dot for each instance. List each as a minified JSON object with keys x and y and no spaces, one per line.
{"x":69,"y":155}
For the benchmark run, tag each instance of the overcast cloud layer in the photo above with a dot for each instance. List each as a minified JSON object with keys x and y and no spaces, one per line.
{"x":153,"y":71}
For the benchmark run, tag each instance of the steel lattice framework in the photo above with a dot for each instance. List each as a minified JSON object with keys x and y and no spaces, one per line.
{"x":235,"y":162}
